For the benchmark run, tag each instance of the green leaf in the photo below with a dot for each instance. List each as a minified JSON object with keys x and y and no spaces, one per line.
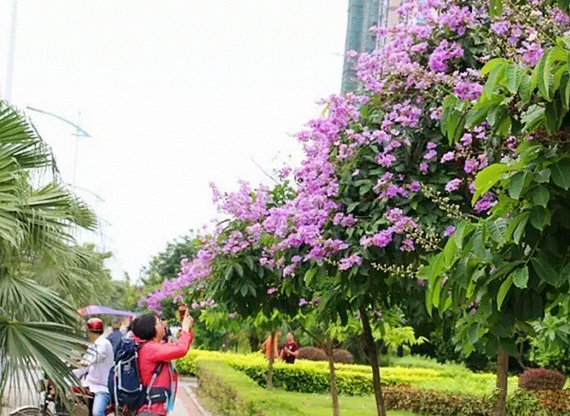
{"x":449,"y":252}
{"x":480,"y":110}
{"x":516,"y":184}
{"x":539,"y":217}
{"x":544,"y":270}
{"x":541,"y":196}
{"x":558,"y":75}
{"x":463,"y":230}
{"x":514,"y":78}
{"x":565,"y":94}
{"x":487,"y":178}
{"x":524,"y":89}
{"x":514,"y":224}
{"x":520,"y":228}
{"x":352,"y":206}
{"x":495,"y":77}
{"x":498,"y":230}
{"x":473,"y":334}
{"x":239,"y":269}
{"x":503,"y":290}
{"x":561,"y":173}
{"x":520,"y":277}
{"x":309,"y":275}
{"x":491,"y":64}
{"x":543,"y":176}
{"x":533,"y":118}
{"x":545,"y":79}
{"x":564,"y":274}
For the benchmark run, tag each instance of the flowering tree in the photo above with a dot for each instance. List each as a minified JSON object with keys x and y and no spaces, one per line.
{"x":390,"y":171}
{"x":519,"y":255}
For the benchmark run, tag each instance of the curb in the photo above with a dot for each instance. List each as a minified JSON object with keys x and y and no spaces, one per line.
{"x":194,"y":399}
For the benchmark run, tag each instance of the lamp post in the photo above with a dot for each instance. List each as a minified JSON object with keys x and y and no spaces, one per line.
{"x":79,"y":132}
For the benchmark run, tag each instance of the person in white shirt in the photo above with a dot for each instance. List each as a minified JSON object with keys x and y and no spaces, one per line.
{"x":97,"y":363}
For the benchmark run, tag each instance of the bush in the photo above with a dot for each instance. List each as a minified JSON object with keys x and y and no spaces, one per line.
{"x":342,"y":356}
{"x":312,"y":353}
{"x":436,"y":402}
{"x":542,"y":379}
{"x":234,"y":394}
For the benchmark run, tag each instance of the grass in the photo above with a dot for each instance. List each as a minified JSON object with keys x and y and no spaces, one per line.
{"x":320,"y":404}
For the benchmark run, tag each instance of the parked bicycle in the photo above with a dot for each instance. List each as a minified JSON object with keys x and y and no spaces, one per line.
{"x":80,"y":403}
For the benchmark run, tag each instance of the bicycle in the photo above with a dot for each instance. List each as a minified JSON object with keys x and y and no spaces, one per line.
{"x":80,"y":404}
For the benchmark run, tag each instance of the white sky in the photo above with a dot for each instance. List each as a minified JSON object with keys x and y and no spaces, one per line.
{"x":175,"y":94}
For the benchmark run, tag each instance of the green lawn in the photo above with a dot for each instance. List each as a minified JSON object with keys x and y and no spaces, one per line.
{"x":320,"y":404}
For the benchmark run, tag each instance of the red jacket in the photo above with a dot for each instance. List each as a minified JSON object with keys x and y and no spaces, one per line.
{"x":152,"y":353}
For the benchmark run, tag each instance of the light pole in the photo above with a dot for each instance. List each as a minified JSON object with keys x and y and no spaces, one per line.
{"x":79,"y":132}
{"x":11,"y":48}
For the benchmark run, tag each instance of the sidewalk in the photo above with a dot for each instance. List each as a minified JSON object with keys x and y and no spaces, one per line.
{"x":186,"y":403}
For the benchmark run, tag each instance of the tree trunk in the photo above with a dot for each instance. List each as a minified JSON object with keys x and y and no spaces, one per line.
{"x":334,"y":389}
{"x":502,"y":374}
{"x":271,"y":360}
{"x":373,"y":356}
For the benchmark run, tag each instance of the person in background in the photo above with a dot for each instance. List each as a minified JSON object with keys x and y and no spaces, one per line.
{"x":116,"y":336}
{"x":97,"y":363}
{"x":271,"y":345}
{"x":149,"y":331}
{"x":290,"y":349}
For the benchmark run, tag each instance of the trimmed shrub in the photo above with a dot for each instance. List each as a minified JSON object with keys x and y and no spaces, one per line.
{"x":312,"y":353}
{"x":342,"y":356}
{"x":436,"y":402}
{"x":235,"y":394}
{"x":541,"y":379}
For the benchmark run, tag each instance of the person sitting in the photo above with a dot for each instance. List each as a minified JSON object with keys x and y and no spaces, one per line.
{"x":290,"y":349}
{"x":97,"y":363}
{"x":149,"y":332}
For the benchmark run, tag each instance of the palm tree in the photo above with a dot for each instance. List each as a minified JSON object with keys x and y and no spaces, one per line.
{"x":38,"y":217}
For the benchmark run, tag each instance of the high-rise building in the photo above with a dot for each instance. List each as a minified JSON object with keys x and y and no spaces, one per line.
{"x":362,"y":15}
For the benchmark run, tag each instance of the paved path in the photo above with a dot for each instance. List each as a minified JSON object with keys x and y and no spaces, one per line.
{"x":186,"y":403}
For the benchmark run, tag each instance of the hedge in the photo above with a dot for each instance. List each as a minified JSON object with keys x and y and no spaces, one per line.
{"x":235,"y":394}
{"x":313,"y":377}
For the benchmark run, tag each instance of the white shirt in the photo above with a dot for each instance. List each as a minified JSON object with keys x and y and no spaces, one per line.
{"x":98,"y":360}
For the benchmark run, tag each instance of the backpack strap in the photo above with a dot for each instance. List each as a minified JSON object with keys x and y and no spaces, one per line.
{"x":155,"y":373}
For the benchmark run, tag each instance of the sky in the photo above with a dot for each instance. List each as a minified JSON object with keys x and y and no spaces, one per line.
{"x":175,"y":94}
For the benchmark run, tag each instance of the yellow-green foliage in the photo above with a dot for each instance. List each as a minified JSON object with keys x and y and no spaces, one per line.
{"x":353,"y":379}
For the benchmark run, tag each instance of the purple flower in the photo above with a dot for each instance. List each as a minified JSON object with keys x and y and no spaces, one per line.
{"x":348,"y":262}
{"x":431,"y":154}
{"x":424,"y":167}
{"x":500,"y":28}
{"x":303,"y":302}
{"x":415,"y":186}
{"x":471,"y":165}
{"x":448,"y":157}
{"x":468,"y":90}
{"x":453,"y":185}
{"x":382,"y":239}
{"x":271,"y":290}
{"x":449,"y":231}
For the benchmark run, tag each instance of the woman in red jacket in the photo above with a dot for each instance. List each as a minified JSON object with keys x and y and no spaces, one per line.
{"x":156,"y":355}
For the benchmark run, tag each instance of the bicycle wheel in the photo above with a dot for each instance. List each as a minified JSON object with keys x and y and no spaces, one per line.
{"x":29,"y":411}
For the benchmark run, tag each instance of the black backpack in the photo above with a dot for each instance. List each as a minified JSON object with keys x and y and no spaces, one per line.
{"x":124,"y":382}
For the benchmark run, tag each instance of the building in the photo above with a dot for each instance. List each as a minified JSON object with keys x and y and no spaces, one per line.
{"x":362,"y":15}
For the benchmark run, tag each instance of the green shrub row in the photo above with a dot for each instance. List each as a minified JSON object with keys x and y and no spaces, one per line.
{"x":235,"y":394}
{"x":313,"y":377}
